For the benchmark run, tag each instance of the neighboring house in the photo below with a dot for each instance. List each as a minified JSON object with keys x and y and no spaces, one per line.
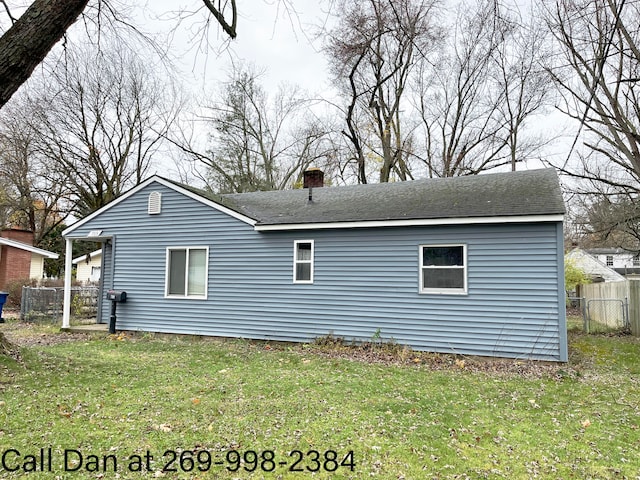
{"x":468,"y":265}
{"x":88,"y":267}
{"x":622,"y":261}
{"x":19,"y":259}
{"x":593,"y":267}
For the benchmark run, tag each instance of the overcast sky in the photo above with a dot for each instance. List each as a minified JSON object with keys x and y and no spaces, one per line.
{"x":268,"y":35}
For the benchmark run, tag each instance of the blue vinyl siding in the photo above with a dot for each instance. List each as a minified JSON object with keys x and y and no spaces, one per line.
{"x":365,"y":279}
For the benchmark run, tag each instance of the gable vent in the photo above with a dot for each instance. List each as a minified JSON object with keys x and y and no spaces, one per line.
{"x":155,"y":203}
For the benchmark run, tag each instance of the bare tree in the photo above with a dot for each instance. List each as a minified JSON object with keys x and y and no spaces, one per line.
{"x":373,"y":51}
{"x":597,"y":70}
{"x":34,"y":192}
{"x":610,"y":221}
{"x":486,"y":84}
{"x":426,"y":94}
{"x":105,"y":116}
{"x":6,"y":203}
{"x":519,"y":73}
{"x":257,"y":141}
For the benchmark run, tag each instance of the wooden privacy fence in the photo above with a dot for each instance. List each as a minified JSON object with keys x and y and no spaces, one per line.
{"x":611,"y":302}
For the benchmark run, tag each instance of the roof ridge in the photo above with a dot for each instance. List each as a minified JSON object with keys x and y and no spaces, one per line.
{"x":458,"y":178}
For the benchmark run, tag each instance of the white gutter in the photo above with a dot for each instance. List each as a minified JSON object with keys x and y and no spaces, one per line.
{"x":412,"y":222}
{"x":27,"y":247}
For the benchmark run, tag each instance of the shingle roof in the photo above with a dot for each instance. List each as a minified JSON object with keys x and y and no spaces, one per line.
{"x":531,"y":192}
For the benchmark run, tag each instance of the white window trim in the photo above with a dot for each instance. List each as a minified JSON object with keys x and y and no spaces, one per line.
{"x":206,"y":273}
{"x":443,"y":291}
{"x":296,"y":261}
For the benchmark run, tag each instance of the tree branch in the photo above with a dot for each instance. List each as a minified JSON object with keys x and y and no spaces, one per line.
{"x":229,"y":29}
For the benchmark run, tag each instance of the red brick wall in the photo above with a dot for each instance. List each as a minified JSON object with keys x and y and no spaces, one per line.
{"x":15,"y":264}
{"x":24,"y":236}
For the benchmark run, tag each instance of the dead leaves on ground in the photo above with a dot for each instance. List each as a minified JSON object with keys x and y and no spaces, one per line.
{"x":397,"y":355}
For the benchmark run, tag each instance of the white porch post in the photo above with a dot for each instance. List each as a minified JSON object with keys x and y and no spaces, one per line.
{"x":66,"y":306}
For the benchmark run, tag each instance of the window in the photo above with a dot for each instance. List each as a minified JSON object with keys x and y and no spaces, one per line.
{"x":443,"y":269}
{"x":636,"y":261}
{"x":95,"y":274}
{"x":303,"y":261}
{"x":609,"y":260}
{"x":186,"y":275}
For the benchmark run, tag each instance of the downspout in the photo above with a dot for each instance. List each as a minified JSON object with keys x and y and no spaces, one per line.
{"x":66,"y":305}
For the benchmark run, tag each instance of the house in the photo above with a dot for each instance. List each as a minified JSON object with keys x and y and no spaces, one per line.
{"x":88,"y":267}
{"x":469,"y":265}
{"x":19,"y":259}
{"x":622,"y":261}
{"x":594,"y":268}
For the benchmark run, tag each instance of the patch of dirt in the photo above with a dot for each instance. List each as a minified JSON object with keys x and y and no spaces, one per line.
{"x":574,"y":312}
{"x":27,"y":334}
{"x":48,"y":339}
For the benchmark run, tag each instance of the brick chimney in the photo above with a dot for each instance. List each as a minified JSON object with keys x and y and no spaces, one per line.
{"x":313,"y":177}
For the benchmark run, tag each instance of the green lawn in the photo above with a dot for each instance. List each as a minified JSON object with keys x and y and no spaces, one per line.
{"x":122,"y":403}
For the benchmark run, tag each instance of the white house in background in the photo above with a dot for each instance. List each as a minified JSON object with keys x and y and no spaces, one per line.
{"x":622,"y":261}
{"x":88,"y":267}
{"x":593,"y":267}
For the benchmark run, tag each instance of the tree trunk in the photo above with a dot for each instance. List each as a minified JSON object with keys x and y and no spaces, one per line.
{"x":28,"y":41}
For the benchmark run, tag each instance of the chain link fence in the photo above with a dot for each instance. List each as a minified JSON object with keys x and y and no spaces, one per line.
{"x":44,"y":304}
{"x":606,"y":315}
{"x":598,"y":315}
{"x":576,"y":313}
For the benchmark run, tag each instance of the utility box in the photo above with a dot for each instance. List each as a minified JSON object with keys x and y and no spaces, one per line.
{"x":117,"y":296}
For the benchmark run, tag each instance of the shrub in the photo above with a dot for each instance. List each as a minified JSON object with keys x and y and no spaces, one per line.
{"x":574,"y":275}
{"x":14,"y":289}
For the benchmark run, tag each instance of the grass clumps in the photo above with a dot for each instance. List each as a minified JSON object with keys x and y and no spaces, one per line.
{"x":402,"y":414}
